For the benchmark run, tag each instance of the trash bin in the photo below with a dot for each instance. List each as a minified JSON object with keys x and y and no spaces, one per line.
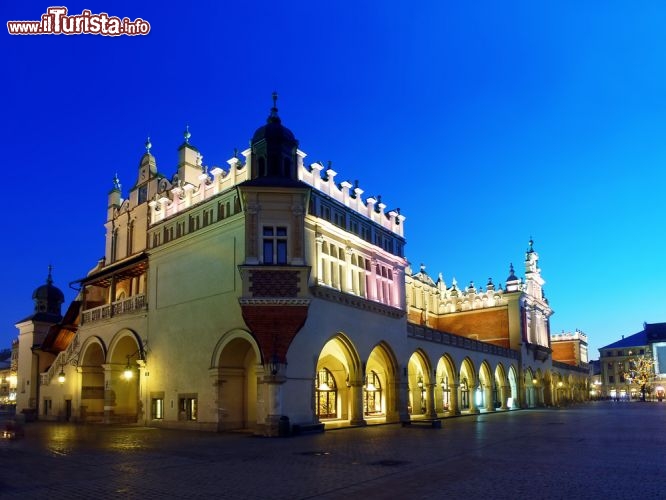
{"x":283,"y":426}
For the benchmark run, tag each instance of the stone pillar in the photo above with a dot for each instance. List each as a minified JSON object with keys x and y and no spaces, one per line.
{"x":431,"y":412}
{"x":473,"y":408}
{"x":373,"y":293}
{"x":348,"y":285}
{"x":109,"y":392}
{"x":319,"y":259}
{"x":453,"y":399}
{"x":488,"y":394}
{"x":273,"y":402}
{"x":402,"y":393}
{"x":504,"y":391}
{"x":356,"y":395}
{"x":297,"y":257}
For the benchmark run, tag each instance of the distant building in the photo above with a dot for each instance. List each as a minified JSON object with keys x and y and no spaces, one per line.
{"x":618,"y":358}
{"x":570,"y":348}
{"x":8,"y":376}
{"x":270,"y":295}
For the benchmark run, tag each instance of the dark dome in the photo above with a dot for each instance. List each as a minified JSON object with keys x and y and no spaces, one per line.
{"x":48,"y":298}
{"x":48,"y":293}
{"x":273,"y":130}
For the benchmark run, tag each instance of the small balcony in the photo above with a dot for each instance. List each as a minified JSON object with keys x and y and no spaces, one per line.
{"x":125,"y":306}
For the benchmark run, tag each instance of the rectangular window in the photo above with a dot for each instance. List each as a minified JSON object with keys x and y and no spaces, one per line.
{"x":187,"y":407}
{"x":157,"y":408}
{"x":611,"y":379}
{"x":275,"y":245}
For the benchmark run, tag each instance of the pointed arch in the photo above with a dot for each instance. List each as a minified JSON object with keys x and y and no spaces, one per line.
{"x":447,"y":379}
{"x":338,"y":381}
{"x":381,"y":383}
{"x":419,"y":376}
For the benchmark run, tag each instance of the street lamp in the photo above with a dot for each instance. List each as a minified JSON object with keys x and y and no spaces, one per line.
{"x":128,"y":373}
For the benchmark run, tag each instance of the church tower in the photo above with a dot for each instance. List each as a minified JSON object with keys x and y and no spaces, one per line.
{"x":48,"y":300}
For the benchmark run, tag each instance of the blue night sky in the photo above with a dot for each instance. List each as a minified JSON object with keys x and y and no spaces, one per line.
{"x":485,"y":124}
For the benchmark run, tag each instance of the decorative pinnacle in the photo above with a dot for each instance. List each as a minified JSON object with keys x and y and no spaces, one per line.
{"x":148,"y":145}
{"x":116,"y":182}
{"x":531,"y":245}
{"x":187,"y":134}
{"x":49,"y":278}
{"x":273,"y":117}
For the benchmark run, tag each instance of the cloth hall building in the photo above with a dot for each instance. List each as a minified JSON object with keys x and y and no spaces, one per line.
{"x":272,"y":297}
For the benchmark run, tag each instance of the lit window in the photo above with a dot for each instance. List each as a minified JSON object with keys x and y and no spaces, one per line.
{"x":275,"y":245}
{"x":372,"y":403}
{"x":157,"y":408}
{"x":187,"y":407}
{"x":326,"y":394}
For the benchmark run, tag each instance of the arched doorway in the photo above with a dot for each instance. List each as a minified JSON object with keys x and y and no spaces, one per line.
{"x":92,"y":381}
{"x":379,"y":388}
{"x":237,"y":385}
{"x":446,"y":396}
{"x":501,"y":390}
{"x":418,"y":376}
{"x":485,"y":395}
{"x":468,"y":387}
{"x":122,"y":379}
{"x":339,"y":382}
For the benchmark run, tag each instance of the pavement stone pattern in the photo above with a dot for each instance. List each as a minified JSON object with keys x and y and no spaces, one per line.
{"x":594,"y":450}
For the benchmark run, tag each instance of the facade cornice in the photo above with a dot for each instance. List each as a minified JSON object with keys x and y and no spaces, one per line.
{"x":331,"y":295}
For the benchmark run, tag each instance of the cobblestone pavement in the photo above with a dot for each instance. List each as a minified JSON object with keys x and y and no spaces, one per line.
{"x":600,"y":449}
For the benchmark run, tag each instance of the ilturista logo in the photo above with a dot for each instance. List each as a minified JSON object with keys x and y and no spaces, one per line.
{"x":57,"y":21}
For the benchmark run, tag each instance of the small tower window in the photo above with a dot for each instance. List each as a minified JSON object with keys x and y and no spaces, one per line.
{"x":275,"y":245}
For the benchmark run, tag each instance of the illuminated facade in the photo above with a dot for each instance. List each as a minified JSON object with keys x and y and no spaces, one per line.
{"x":619,"y":358}
{"x":8,"y":375}
{"x":269,"y":295}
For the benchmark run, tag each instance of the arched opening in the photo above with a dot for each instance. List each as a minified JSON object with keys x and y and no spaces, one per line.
{"x":339,"y":382}
{"x":418,"y":376}
{"x":445,"y":385}
{"x":237,"y":385}
{"x":122,"y":379}
{"x":501,"y":389}
{"x":92,"y":382}
{"x":379,"y":388}
{"x":468,"y":387}
{"x":485,"y":391}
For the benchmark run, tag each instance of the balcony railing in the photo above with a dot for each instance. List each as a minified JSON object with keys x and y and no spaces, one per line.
{"x":69,"y":355}
{"x":125,"y":306}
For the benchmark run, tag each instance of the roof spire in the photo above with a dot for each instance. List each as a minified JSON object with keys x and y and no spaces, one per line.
{"x":531,"y":246}
{"x":273,"y":117}
{"x":148,"y":145}
{"x":116,"y":182}
{"x":187,"y":134}
{"x":49,"y":278}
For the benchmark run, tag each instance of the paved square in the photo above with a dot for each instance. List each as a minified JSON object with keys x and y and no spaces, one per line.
{"x":594,"y":450}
